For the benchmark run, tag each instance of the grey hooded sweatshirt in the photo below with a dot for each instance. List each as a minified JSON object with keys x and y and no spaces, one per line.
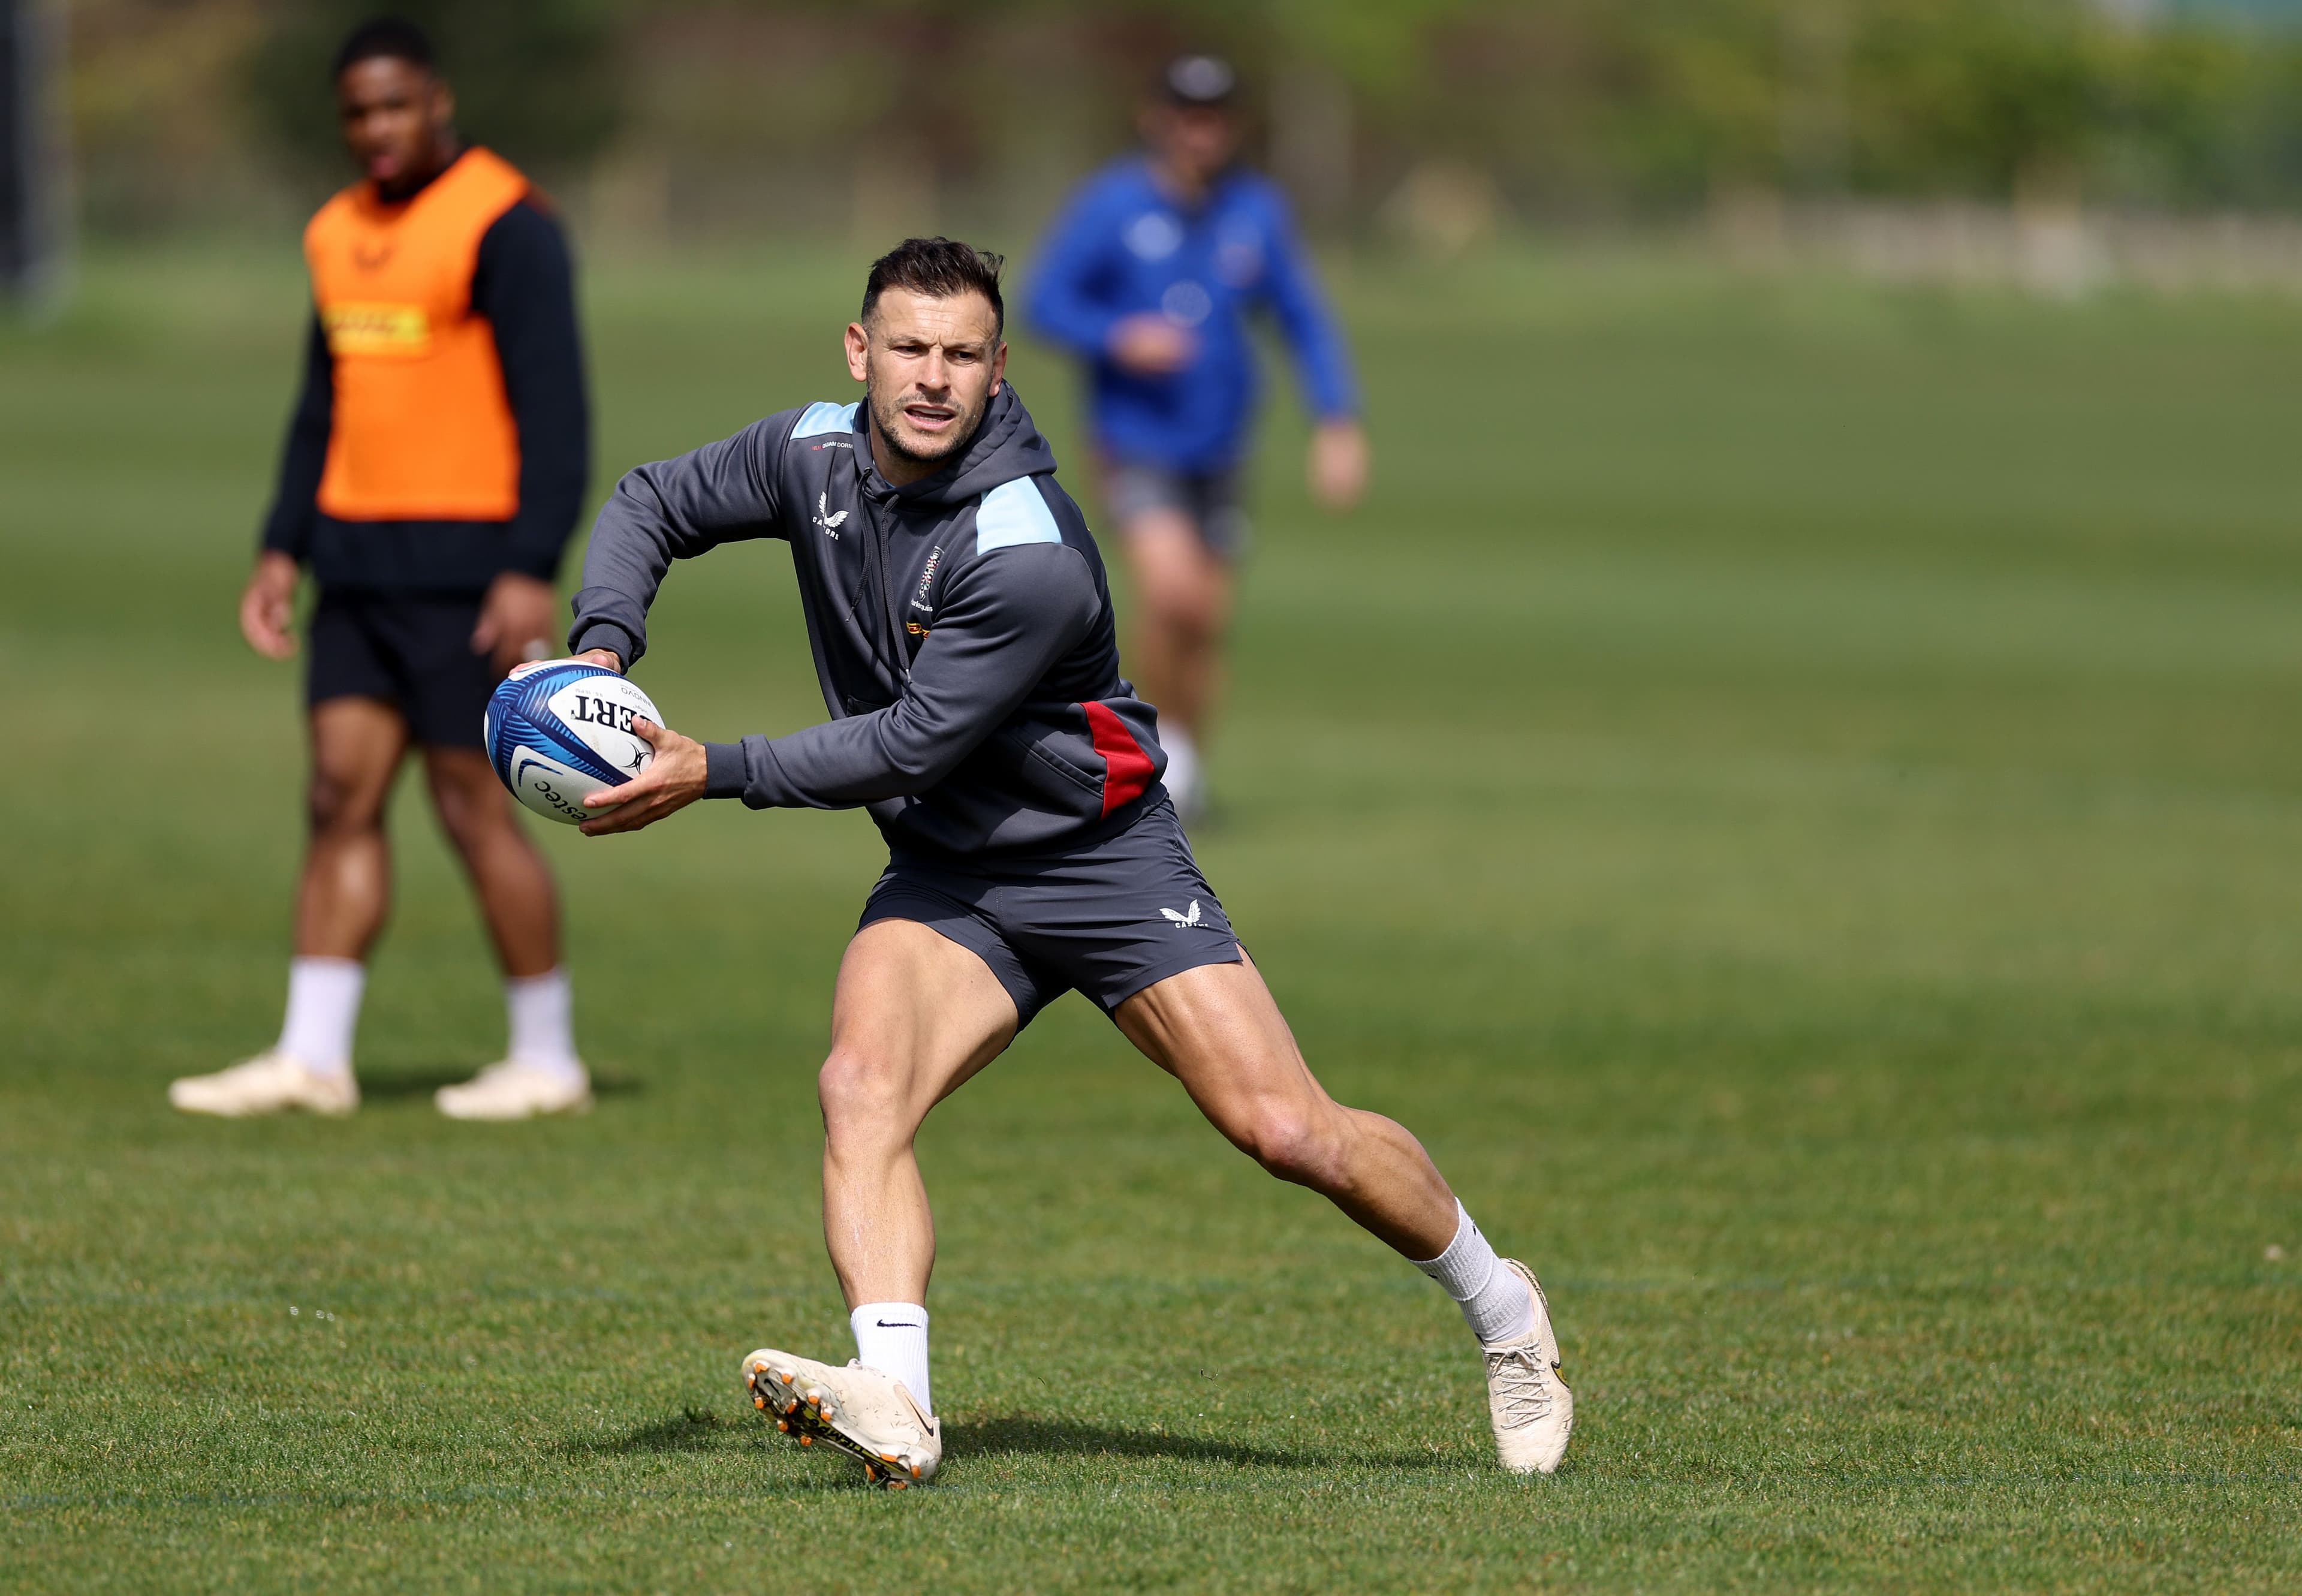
{"x":962,"y":627}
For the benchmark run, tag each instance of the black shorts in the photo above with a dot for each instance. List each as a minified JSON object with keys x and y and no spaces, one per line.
{"x":413,"y":650}
{"x":1209,"y":499}
{"x":1121,"y":909}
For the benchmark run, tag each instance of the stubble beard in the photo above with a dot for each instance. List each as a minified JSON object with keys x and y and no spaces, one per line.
{"x":886,"y":416}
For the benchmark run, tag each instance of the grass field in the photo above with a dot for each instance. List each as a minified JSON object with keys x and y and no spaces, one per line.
{"x":1791,"y":789}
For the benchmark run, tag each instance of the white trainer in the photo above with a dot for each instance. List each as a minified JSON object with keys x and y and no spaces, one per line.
{"x":513,"y":1089}
{"x":1532,"y":1409}
{"x":268,"y":1083}
{"x":867,"y":1414}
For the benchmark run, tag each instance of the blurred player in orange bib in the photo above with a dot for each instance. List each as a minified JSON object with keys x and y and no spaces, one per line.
{"x":435,"y":467}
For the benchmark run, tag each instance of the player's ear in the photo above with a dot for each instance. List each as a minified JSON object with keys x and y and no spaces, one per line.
{"x":998,"y":368}
{"x":858,"y":352}
{"x":443,"y":103}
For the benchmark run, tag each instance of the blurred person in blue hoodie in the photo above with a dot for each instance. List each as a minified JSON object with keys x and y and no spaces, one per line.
{"x":1150,"y":274}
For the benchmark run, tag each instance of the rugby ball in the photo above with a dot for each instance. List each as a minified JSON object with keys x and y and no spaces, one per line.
{"x":560,"y":730}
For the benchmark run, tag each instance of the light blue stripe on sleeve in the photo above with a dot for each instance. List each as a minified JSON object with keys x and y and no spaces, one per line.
{"x":1013,"y":513}
{"x":824,"y":416}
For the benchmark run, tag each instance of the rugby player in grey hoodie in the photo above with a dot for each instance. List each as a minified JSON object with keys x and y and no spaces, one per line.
{"x":963,"y":635}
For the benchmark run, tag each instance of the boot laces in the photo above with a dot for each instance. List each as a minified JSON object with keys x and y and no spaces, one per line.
{"x":1517,"y":1380}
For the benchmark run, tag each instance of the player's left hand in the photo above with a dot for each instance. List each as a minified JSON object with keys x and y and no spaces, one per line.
{"x":1337,"y":467}
{"x":673,"y":780}
{"x":515,"y":620}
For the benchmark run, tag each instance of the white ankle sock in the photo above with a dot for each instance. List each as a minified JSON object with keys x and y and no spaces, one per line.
{"x":324,"y":1003}
{"x":1494,"y":1301}
{"x":892,"y":1337}
{"x":1182,"y":777}
{"x":542,"y":1028}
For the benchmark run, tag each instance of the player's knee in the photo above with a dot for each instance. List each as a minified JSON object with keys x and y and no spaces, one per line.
{"x":468,"y":814}
{"x":860,"y":1094}
{"x":1295,"y":1143}
{"x":1184,"y":610}
{"x":1194,"y":624}
{"x":335,"y":806}
{"x":474,"y":809}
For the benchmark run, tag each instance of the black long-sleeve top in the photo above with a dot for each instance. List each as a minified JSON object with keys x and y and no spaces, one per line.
{"x":524,"y":284}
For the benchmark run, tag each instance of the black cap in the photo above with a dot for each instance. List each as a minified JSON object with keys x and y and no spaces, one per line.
{"x":1200,"y":81}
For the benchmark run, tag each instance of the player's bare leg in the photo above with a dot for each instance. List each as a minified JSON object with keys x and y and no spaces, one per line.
{"x":346,"y":890}
{"x":540,"y":1073}
{"x":1217,"y":1030}
{"x":508,"y":872}
{"x":1183,"y":595}
{"x":356,"y":744}
{"x":914,"y":1017}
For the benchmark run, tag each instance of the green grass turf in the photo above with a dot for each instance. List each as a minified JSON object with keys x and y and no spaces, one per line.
{"x":1791,"y":789}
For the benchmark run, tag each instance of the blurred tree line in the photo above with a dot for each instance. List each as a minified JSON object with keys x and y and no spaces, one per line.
{"x":671,"y":117}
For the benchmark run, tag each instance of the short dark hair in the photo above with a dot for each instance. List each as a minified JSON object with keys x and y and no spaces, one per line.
{"x":940,"y":268}
{"x":394,"y":38}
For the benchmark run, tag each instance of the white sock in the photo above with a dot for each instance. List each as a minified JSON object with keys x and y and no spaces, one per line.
{"x":1494,"y":1301}
{"x":323,"y":1003}
{"x":543,"y":1029}
{"x":1182,"y":777}
{"x":892,"y":1337}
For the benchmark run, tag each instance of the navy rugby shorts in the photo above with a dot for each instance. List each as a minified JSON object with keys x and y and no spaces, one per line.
{"x":1210,"y":500}
{"x":413,"y":650}
{"x":1111,"y":913}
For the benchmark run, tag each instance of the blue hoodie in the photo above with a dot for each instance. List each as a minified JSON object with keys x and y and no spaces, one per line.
{"x":1121,"y":246}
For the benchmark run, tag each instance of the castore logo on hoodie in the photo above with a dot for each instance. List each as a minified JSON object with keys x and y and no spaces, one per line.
{"x":824,"y":518}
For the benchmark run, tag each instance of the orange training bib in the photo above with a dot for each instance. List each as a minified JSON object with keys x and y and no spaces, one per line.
{"x":422,"y":430}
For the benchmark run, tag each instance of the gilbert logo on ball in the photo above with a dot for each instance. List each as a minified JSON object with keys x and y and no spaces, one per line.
{"x":559,"y":730}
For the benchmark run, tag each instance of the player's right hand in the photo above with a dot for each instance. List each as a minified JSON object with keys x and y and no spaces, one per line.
{"x":267,"y":606}
{"x":1149,"y":345}
{"x":674,"y":779}
{"x":1337,"y":464}
{"x":605,"y":659}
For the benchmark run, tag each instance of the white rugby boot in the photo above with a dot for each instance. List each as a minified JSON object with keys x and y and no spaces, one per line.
{"x":867,"y":1414}
{"x":269,"y":1083}
{"x":1530,"y":1406}
{"x":512,"y":1089}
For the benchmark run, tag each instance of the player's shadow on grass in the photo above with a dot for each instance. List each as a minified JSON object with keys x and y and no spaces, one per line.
{"x":1066,"y":1438}
{"x":700,"y":1429}
{"x":691,"y":1429}
{"x":392,"y":1086}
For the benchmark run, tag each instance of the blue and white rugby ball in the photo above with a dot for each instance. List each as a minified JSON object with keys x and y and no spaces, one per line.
{"x":560,"y":730}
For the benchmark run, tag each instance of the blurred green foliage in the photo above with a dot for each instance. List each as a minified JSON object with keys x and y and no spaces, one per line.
{"x":748,"y":113}
{"x":1667,"y":99}
{"x":1567,"y":101}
